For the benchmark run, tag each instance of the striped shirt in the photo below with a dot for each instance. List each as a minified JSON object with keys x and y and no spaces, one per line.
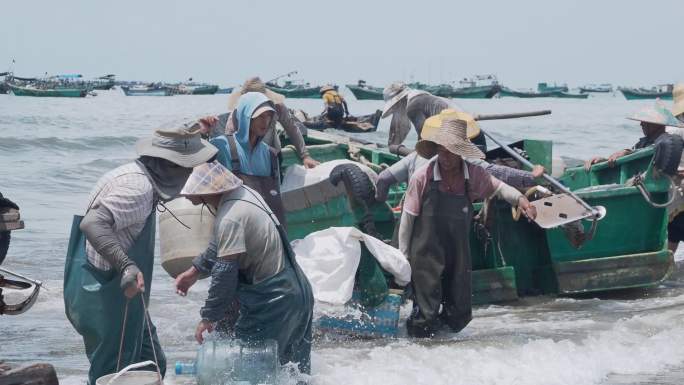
{"x":129,"y":196}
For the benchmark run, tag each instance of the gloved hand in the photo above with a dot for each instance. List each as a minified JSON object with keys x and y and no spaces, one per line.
{"x":132,"y":281}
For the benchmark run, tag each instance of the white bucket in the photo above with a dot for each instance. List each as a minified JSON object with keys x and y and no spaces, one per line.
{"x":126,"y":377}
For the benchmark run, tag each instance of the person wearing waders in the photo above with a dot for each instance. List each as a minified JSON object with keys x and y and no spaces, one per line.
{"x":335,"y":107}
{"x":110,"y":256}
{"x":255,"y":264}
{"x":668,"y":150}
{"x":412,"y":107}
{"x":214,"y":126}
{"x":675,"y":230}
{"x":435,"y":227}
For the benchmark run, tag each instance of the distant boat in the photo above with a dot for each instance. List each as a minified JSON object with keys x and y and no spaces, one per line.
{"x":476,"y":87}
{"x":147,"y":90}
{"x":194,"y":89}
{"x":599,"y":88}
{"x":48,"y":92}
{"x":104,"y":82}
{"x":507,"y":92}
{"x":545,"y":87}
{"x":228,"y":90}
{"x":294,"y":90}
{"x":569,"y":95}
{"x":360,"y":124}
{"x":663,"y":91}
{"x":362,"y":91}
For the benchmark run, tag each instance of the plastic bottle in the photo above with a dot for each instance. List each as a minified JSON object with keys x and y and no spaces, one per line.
{"x":228,"y":362}
{"x":186,"y":368}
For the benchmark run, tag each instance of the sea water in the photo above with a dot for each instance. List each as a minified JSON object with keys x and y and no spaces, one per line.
{"x":52,"y":151}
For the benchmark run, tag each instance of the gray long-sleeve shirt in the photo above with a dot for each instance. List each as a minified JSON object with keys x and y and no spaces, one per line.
{"x":417,"y":110}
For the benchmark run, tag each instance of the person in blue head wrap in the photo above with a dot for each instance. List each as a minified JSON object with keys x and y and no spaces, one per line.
{"x":245,"y":153}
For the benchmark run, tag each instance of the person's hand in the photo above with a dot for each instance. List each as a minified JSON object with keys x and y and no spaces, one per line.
{"x":185,"y":280}
{"x":592,"y":161}
{"x":614,"y":157}
{"x":526,"y":208}
{"x":206,"y":123}
{"x":201,"y":327}
{"x":132,"y":281}
{"x":538,"y":171}
{"x":310,"y":162}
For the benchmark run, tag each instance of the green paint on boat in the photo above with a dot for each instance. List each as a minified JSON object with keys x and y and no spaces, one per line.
{"x":639,"y":94}
{"x":54,"y":92}
{"x":365,"y":92}
{"x":513,"y":259}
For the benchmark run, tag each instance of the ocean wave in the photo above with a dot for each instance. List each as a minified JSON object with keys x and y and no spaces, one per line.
{"x":15,"y":144}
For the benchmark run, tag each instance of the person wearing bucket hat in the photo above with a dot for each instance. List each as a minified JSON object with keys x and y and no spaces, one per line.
{"x":402,"y":170}
{"x":335,"y":108}
{"x":435,"y":226}
{"x":251,"y":261}
{"x":412,"y":107}
{"x":110,"y":256}
{"x":222,"y":124}
{"x":245,"y":153}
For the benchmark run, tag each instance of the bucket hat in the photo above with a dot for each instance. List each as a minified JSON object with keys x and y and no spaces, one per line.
{"x":209,"y":179}
{"x":179,"y":143}
{"x":253,"y":85}
{"x":657,"y":114}
{"x":452,"y":135}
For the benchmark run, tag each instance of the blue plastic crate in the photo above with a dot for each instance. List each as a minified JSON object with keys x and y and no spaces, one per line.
{"x":381,"y":321}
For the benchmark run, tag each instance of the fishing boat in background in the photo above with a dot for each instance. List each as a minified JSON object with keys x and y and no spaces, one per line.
{"x":104,"y":83}
{"x":3,"y":87}
{"x":597,"y":88}
{"x":569,"y":95}
{"x":227,"y":90}
{"x":295,"y":89}
{"x":663,"y":91}
{"x":509,"y":92}
{"x":47,"y":92}
{"x":363,"y":91}
{"x":476,"y":87}
{"x":545,"y":87}
{"x":155,"y":89}
{"x":193,"y":88}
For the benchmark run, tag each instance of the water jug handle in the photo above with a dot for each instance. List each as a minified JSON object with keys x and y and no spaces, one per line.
{"x":130,"y":367}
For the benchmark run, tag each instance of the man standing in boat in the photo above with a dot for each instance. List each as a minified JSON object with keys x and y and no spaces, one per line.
{"x":335,"y":107}
{"x":412,"y":107}
{"x":668,"y":158}
{"x":435,"y":227}
{"x":222,"y":124}
{"x":110,"y":257}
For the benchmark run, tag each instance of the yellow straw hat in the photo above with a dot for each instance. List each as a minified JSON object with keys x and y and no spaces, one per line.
{"x":678,"y":96}
{"x":433,"y":123}
{"x":452,"y":136}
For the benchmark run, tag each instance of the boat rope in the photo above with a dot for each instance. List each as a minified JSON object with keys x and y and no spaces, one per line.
{"x":674,"y":190}
{"x":123,"y":336}
{"x":160,"y":203}
{"x":149,"y":332}
{"x":355,"y":155}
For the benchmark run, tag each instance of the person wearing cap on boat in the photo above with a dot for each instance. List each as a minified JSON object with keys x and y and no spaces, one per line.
{"x":435,"y":226}
{"x":412,"y":107}
{"x":255,"y":264}
{"x":654,"y":121}
{"x":335,"y":107}
{"x":111,"y":250}
{"x":245,"y":153}
{"x":402,"y":170}
{"x":218,"y":125}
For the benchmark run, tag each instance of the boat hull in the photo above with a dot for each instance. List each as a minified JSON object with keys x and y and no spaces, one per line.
{"x":153,"y":92}
{"x":362,"y":93}
{"x":481,"y":92}
{"x":631,"y":94}
{"x":55,"y":93}
{"x":297,"y":93}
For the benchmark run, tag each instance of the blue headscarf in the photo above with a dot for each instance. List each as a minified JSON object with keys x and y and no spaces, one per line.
{"x":253,"y":161}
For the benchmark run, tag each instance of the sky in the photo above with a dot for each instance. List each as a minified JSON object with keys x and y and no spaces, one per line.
{"x":629,"y":42}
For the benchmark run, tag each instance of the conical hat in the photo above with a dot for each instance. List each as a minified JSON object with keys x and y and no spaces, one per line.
{"x":657,"y":114}
{"x":452,"y":136}
{"x":210,"y":179}
{"x":433,"y":123}
{"x":393,"y":94}
{"x":678,"y":96}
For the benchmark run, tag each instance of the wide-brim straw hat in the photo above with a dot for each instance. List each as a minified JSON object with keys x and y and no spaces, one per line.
{"x":657,"y":114}
{"x":179,"y":143}
{"x":210,"y":179}
{"x":253,"y":85}
{"x":393,"y":94}
{"x":678,"y":96}
{"x":433,"y":123}
{"x":452,"y":136}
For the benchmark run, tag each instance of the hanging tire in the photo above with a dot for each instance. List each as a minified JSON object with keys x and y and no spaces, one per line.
{"x":357,"y":182}
{"x":668,"y":153}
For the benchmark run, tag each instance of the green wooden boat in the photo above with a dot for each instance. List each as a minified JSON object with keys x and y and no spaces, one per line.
{"x":513,"y":259}
{"x":362,"y":91}
{"x":54,"y":92}
{"x":662,"y":92}
{"x":508,"y":92}
{"x":568,"y":95}
{"x":476,"y":92}
{"x":545,"y":87}
{"x":295,"y":91}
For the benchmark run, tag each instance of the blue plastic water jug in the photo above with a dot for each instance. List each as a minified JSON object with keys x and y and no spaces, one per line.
{"x":233,"y":362}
